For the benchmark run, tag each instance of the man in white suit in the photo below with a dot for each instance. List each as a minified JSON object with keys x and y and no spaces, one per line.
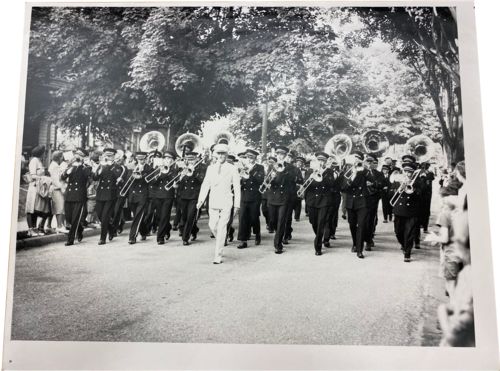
{"x":218,"y":180}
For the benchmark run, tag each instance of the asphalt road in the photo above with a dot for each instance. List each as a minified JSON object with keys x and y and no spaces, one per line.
{"x":173,"y":293}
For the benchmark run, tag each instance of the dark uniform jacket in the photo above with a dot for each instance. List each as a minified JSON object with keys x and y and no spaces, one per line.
{"x":77,"y":183}
{"x":107,"y":188}
{"x":297,"y":180}
{"x":189,"y":187}
{"x":319,"y":194}
{"x":386,"y":185}
{"x":374,"y":191}
{"x":356,"y":190}
{"x":409,"y":205}
{"x":139,"y":189}
{"x":157,"y":186}
{"x":282,"y":186}
{"x":250,"y":187}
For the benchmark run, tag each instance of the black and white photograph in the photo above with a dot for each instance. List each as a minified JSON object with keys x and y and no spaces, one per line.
{"x":279,"y":175}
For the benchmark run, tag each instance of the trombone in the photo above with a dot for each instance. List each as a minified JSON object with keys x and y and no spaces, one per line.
{"x":162,"y":169}
{"x":187,"y":171}
{"x":405,"y":187}
{"x":316,"y":175}
{"x":130,"y":181}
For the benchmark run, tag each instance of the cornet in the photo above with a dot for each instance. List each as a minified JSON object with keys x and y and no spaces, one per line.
{"x":357,"y":166}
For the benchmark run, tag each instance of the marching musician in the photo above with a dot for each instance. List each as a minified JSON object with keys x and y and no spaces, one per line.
{"x":389,"y":163}
{"x":278,"y":199}
{"x":231,"y":159}
{"x":118,"y":219}
{"x":386,"y":193}
{"x":161,"y":198}
{"x":372,"y":199}
{"x":138,"y":198}
{"x":355,"y":182}
{"x":319,"y":200}
{"x":252,"y":177}
{"x":271,"y":160}
{"x":406,"y":207}
{"x":76,"y":175}
{"x":154,"y":160}
{"x":220,"y":179}
{"x":297,"y":207}
{"x":333,"y":217}
{"x":107,"y":174}
{"x":189,"y":189}
{"x":297,"y":180}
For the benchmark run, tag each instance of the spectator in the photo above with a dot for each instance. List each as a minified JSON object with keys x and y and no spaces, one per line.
{"x":36,"y":171}
{"x":55,"y":171}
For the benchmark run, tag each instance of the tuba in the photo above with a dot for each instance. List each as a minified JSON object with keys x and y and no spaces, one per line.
{"x":374,"y":141}
{"x":339,"y":146}
{"x":224,"y":137}
{"x":186,"y":143}
{"x":151,"y":141}
{"x":420,"y":146}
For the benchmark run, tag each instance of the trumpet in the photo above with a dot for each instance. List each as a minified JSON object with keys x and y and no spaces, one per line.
{"x":130,"y":181}
{"x":357,"y":166}
{"x":405,"y":187}
{"x":244,"y":172}
{"x":187,"y":171}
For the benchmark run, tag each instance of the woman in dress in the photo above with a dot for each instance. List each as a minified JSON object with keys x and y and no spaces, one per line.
{"x":55,"y":171}
{"x":36,"y":171}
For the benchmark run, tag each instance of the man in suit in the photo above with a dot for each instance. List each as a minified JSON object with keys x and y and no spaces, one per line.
{"x":333,"y":217}
{"x":138,"y":199}
{"x":319,"y":200}
{"x":220,"y":178}
{"x":406,"y":211}
{"x":108,"y":175}
{"x":278,"y":197}
{"x":76,"y":176}
{"x":250,"y":200}
{"x":297,"y":180}
{"x":355,"y":187}
{"x":189,"y":189}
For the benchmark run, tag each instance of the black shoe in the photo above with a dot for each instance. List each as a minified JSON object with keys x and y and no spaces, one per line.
{"x":68,"y":244}
{"x":326,"y":244}
{"x":212,"y":235}
{"x":278,"y":251}
{"x":101,"y":242}
{"x":231,"y":236}
{"x":111,"y":236}
{"x":242,"y":245}
{"x":285,"y":242}
{"x":417,"y":246}
{"x":161,"y":242}
{"x":119,"y":230}
{"x":318,"y":253}
{"x":344,"y":217}
{"x":167,"y":236}
{"x":353,"y":249}
{"x":257,"y":239}
{"x":185,"y":243}
{"x":79,"y":237}
{"x":180,"y":233}
{"x":225,"y":242}
{"x":407,"y":260}
{"x":361,"y":256}
{"x":194,"y":236}
{"x":174,"y":228}
{"x":332,"y":237}
{"x":131,"y":242}
{"x":143,"y":238}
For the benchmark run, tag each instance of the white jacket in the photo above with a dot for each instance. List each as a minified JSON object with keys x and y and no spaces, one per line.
{"x":219,"y":185}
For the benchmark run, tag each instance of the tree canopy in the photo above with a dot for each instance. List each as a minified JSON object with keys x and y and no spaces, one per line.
{"x":320,"y":71}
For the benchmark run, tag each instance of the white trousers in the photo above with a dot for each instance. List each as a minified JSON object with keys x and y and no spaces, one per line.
{"x":218,"y":219}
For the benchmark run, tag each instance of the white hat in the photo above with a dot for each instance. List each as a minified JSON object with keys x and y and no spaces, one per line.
{"x":221,"y":148}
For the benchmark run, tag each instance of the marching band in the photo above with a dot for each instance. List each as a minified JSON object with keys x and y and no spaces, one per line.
{"x":151,"y":185}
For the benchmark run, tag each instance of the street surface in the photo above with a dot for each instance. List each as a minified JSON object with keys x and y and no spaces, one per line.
{"x":173,"y":293}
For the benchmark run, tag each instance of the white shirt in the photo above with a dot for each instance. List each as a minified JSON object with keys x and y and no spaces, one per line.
{"x":219,"y":185}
